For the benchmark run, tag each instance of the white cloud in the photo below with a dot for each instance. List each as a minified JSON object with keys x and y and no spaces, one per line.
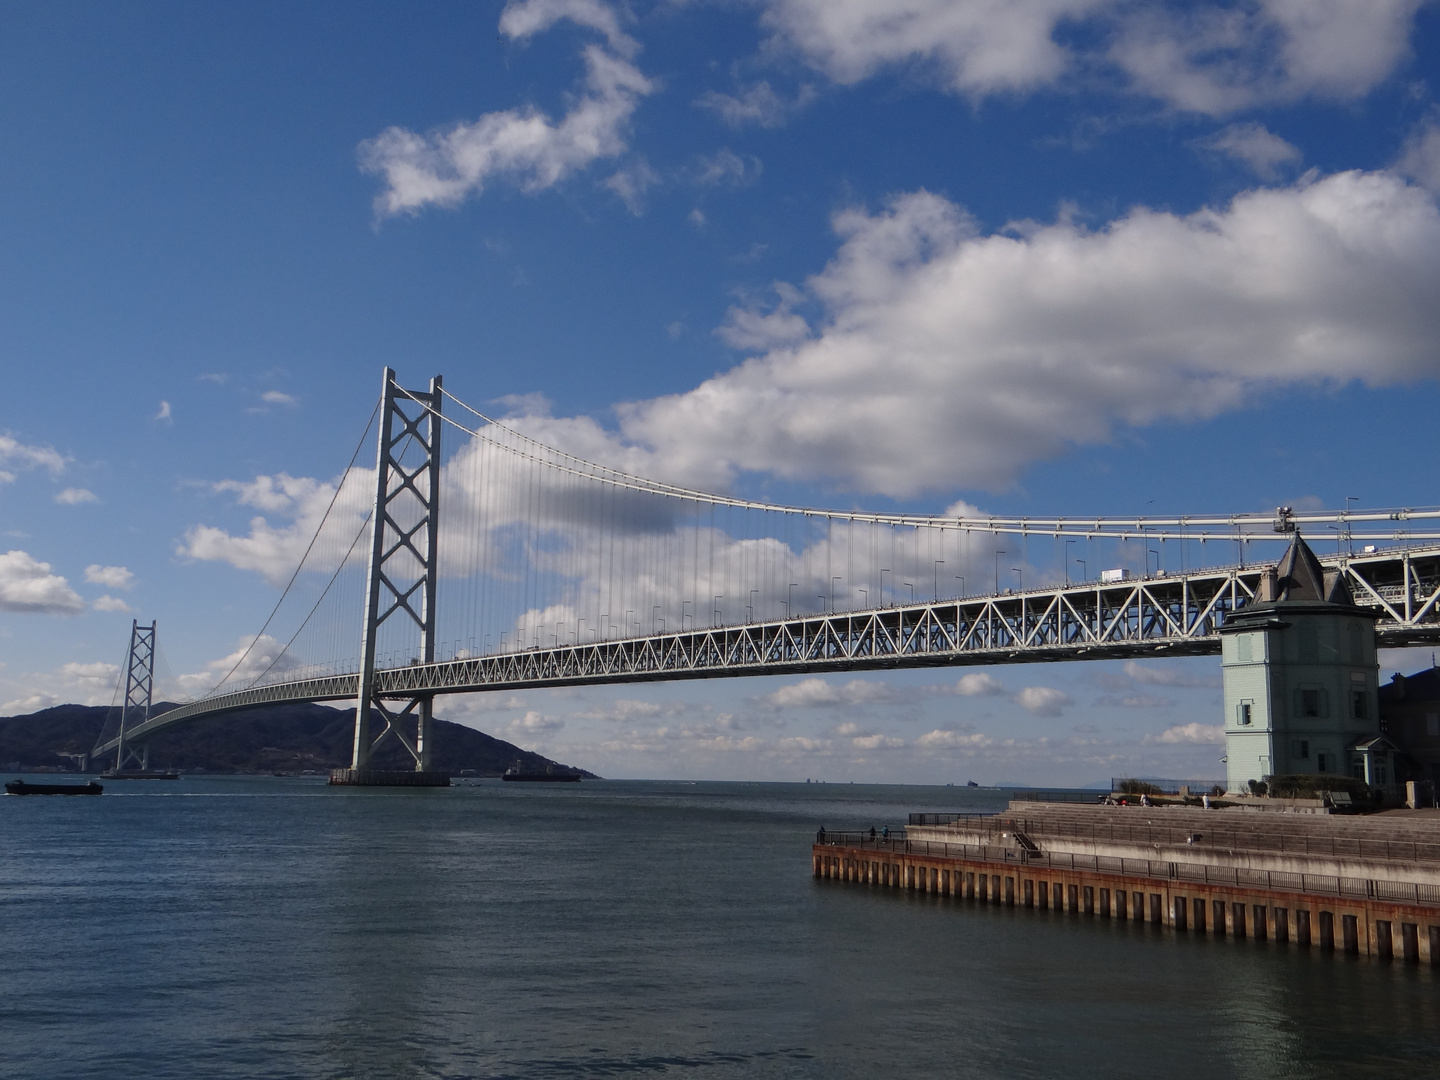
{"x":534,"y":723}
{"x":810,"y":693}
{"x":750,"y":327}
{"x":1135,"y":701}
{"x":1043,"y":700}
{"x":272,"y":551}
{"x":1194,"y":734}
{"x":1154,"y":674}
{"x":1217,"y":59}
{"x":941,"y":739}
{"x":877,"y":742}
{"x":726,"y":167}
{"x":976,"y":48}
{"x":112,"y":577}
{"x":29,"y":704}
{"x":978,"y":684}
{"x":1421,"y":156}
{"x":996,"y":351}
{"x":163,"y":413}
{"x":631,"y":183}
{"x":446,"y":166}
{"x":254,"y":656}
{"x":15,"y":454}
{"x":110,"y":603}
{"x":758,"y":104}
{"x":1205,"y":57}
{"x":81,"y":683}
{"x":76,"y":496}
{"x":523,"y":19}
{"x":28,"y":586}
{"x":1254,"y":145}
{"x":277,"y":397}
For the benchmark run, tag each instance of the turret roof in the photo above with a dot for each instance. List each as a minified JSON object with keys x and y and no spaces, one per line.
{"x":1298,"y":574}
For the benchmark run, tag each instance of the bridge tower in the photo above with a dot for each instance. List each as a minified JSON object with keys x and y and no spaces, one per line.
{"x":400,"y":581}
{"x":139,"y":694}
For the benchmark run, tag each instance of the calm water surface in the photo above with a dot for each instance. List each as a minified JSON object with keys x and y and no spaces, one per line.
{"x":262,"y":927}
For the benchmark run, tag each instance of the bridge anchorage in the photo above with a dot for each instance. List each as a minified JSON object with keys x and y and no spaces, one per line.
{"x":558,"y":571}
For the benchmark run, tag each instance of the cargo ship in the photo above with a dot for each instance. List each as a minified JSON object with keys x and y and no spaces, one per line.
{"x":550,"y":775}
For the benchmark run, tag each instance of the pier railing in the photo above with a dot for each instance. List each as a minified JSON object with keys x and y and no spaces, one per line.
{"x":1199,"y":873}
{"x":1256,"y":839}
{"x":1217,"y":837}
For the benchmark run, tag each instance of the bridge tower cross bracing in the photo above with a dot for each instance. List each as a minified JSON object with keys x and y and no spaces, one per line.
{"x":139,"y":693}
{"x":404,"y":557}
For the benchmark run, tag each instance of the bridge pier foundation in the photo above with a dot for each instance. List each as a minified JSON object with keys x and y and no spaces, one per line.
{"x":387,"y":778}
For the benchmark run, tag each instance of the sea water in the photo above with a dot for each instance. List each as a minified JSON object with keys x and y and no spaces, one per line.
{"x":275,"y":927}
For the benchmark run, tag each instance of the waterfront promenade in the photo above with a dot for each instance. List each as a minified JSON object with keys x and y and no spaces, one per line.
{"x":1360,"y":885}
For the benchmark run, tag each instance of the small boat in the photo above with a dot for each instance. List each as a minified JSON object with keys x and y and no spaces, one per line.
{"x":20,"y":787}
{"x":550,"y":775}
{"x":971,"y":783}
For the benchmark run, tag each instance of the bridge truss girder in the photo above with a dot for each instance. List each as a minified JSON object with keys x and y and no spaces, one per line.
{"x":1158,"y":616}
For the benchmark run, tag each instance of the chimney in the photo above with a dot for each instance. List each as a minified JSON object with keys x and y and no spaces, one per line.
{"x":1267,"y":590}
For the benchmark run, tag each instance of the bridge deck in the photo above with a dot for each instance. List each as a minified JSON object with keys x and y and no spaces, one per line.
{"x":1176,"y":615}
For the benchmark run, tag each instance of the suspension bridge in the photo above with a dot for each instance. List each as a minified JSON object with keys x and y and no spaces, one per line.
{"x":546,"y":569}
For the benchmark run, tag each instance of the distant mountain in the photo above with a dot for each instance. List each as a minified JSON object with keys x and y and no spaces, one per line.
{"x":275,"y":738}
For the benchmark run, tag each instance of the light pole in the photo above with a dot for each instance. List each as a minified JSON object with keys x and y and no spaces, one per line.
{"x":866,"y":593}
{"x":961,"y":579}
{"x":1020,"y":584}
{"x":750,"y":607}
{"x":832,"y":592}
{"x":1349,"y":529}
{"x":1067,"y":560}
{"x":936,"y":570}
{"x":911,"y":586}
{"x":682,"y":614}
{"x":790,"y":596}
{"x":717,"y":608}
{"x":1084,"y":569}
{"x":998,"y":553}
{"x":883,"y":571}
{"x":1148,"y":552}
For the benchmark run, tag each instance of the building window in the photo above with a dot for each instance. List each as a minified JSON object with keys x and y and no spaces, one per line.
{"x":1358,"y":707}
{"x":1243,"y":650}
{"x":1310,"y":703}
{"x":1302,"y":749}
{"x":1242,"y":713}
{"x":1322,"y":762}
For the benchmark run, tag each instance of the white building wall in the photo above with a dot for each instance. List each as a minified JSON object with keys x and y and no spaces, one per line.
{"x":1305,"y":676}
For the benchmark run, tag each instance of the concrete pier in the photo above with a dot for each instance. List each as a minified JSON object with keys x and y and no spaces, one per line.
{"x":382,"y":778}
{"x":1365,"y":888}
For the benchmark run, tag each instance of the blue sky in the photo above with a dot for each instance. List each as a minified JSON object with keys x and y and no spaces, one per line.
{"x":1074,"y":256}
